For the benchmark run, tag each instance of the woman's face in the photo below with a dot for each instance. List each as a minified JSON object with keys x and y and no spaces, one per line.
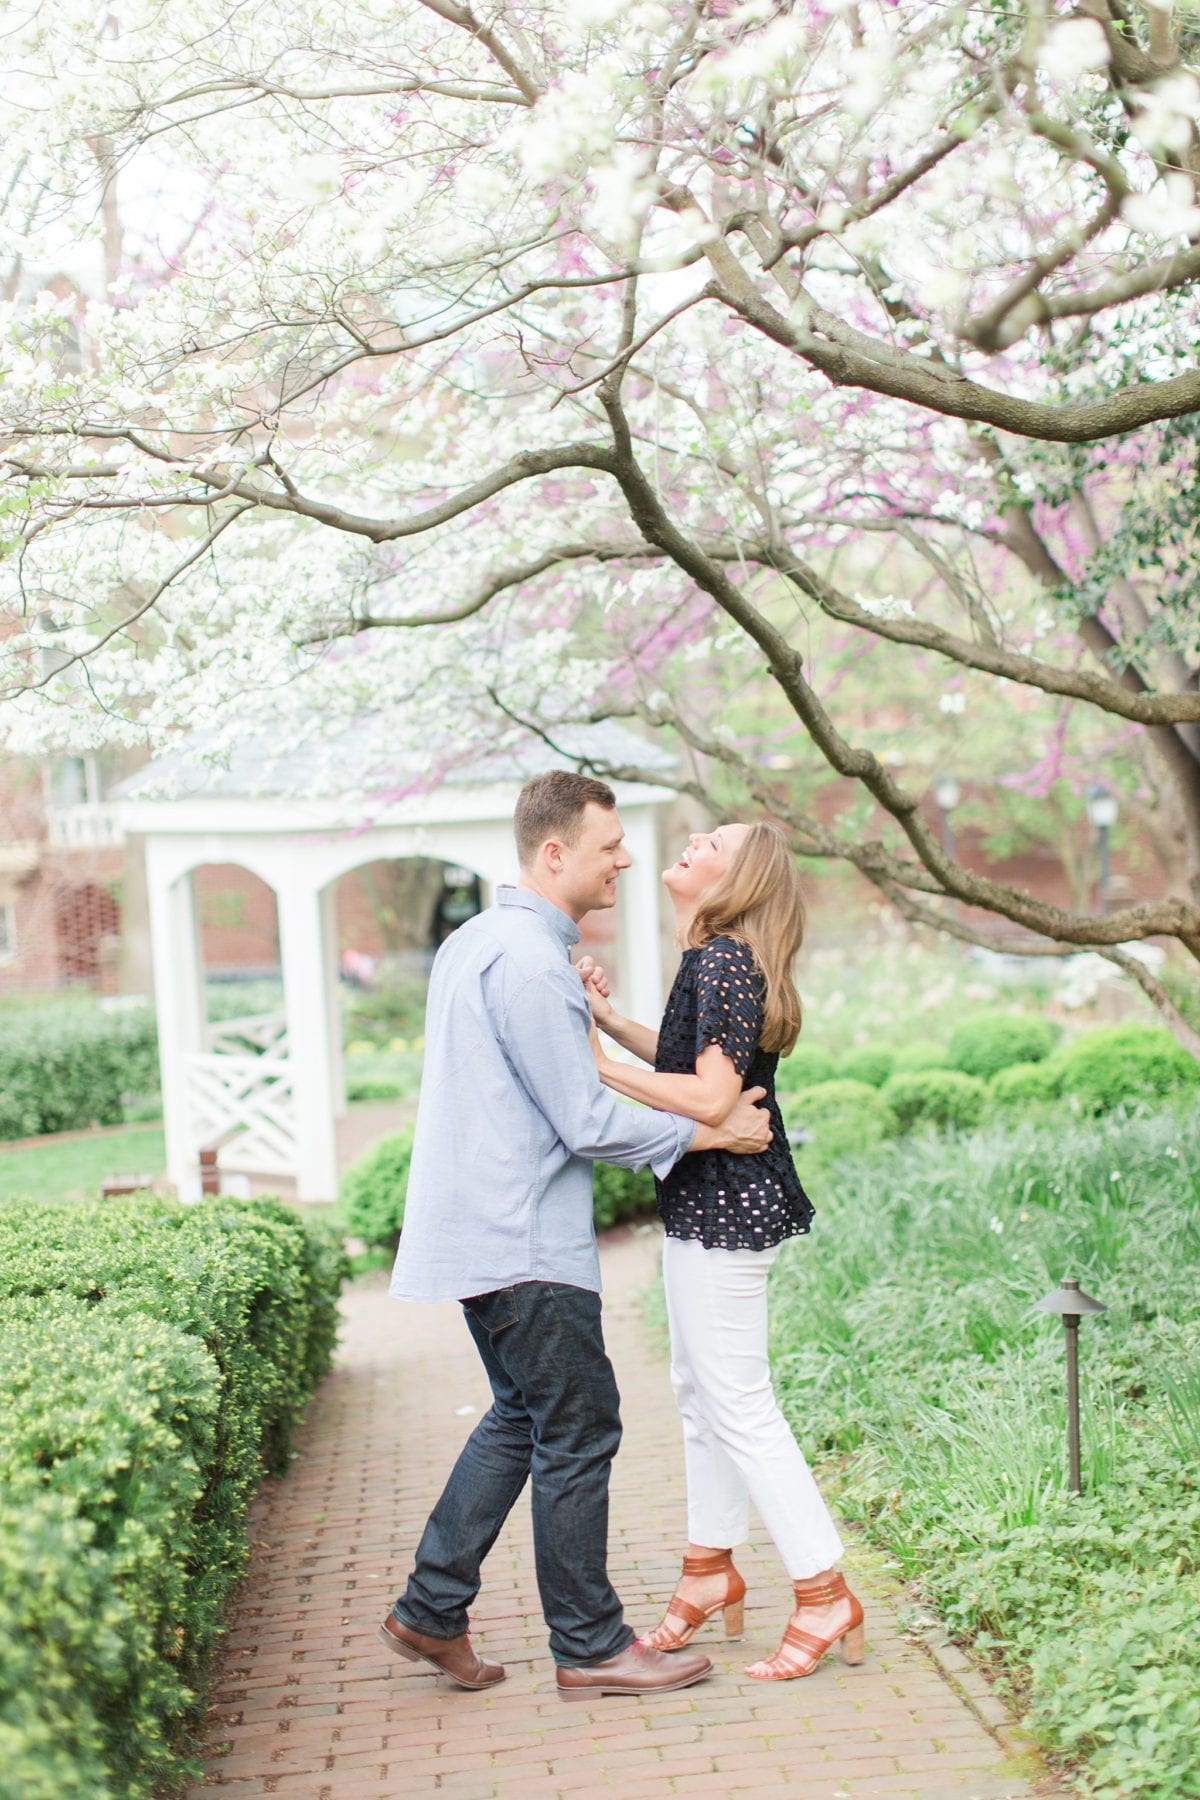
{"x":705,"y":859}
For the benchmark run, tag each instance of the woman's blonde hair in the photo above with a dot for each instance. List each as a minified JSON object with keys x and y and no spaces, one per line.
{"x":758,"y":901}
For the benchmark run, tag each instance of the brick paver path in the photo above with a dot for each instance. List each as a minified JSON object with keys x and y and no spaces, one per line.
{"x":310,"y":1704}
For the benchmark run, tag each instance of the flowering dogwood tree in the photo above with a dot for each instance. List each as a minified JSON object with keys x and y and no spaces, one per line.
{"x":455,"y":365}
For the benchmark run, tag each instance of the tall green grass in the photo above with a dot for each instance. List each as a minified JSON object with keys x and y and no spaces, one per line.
{"x":908,"y":1355}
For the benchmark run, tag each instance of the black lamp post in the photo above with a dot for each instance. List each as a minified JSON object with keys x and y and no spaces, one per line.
{"x":947,"y":793}
{"x":1102,"y":809}
{"x":1070,"y":1302}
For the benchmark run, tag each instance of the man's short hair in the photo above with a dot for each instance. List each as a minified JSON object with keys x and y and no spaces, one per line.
{"x":551,"y":806}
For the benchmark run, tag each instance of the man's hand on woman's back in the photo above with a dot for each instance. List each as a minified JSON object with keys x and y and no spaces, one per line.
{"x":745,"y":1131}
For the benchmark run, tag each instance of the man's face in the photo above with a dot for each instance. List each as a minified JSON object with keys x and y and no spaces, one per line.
{"x":589,"y":867}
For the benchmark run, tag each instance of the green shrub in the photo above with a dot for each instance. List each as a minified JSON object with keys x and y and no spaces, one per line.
{"x":619,"y":1194}
{"x":941,"y":1097}
{"x":919,"y":1053}
{"x":393,"y":1008}
{"x":65,"y":1067}
{"x":839,"y":1115}
{"x":373,"y":1087}
{"x":804,"y":1068}
{"x":373,"y":1190}
{"x":1022,"y":1085}
{"x":870,"y":1063}
{"x":1123,"y":1064}
{"x":993,"y":1041}
{"x":154,"y":1360}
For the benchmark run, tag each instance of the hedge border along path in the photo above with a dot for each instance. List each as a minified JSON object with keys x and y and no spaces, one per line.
{"x":154,"y":1361}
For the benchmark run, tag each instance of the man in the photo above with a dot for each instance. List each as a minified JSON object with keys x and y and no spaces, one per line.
{"x":499,"y":1216}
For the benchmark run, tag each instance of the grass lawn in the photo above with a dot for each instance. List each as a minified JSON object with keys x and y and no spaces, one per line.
{"x":74,"y":1170}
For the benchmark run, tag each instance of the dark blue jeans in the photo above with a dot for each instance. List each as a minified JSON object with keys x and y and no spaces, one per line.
{"x":554,"y":1415}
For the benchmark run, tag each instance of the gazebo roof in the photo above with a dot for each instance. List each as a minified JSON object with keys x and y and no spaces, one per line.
{"x":355,"y":761}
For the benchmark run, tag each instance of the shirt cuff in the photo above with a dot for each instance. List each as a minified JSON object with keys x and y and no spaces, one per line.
{"x":685,"y":1131}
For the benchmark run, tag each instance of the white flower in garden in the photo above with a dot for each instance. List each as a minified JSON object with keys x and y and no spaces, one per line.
{"x":952,"y":703}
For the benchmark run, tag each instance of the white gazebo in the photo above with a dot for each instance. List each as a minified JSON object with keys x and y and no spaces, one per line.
{"x":266,"y":1091}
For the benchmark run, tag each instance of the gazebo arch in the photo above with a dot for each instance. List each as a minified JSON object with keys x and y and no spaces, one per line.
{"x":284,"y":1091}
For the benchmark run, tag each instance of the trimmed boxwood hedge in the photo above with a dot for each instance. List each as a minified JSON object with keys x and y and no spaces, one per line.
{"x":374,"y":1189}
{"x":154,"y":1361}
{"x":1123,"y":1065}
{"x":997,"y":1040}
{"x":871,"y":1063}
{"x":839,"y":1115}
{"x":65,"y":1067}
{"x":1022,"y":1085}
{"x":942,"y":1097}
{"x":807,"y":1065}
{"x":619,"y":1194}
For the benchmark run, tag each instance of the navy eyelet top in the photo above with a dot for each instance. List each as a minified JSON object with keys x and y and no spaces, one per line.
{"x":728,"y":1202}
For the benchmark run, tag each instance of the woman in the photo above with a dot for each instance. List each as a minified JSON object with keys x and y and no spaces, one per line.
{"x":734,"y":1007}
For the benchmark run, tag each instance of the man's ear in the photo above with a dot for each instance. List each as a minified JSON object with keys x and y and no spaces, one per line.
{"x":552,"y":856}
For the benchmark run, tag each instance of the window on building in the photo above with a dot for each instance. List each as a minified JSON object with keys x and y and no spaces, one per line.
{"x":75,"y":781}
{"x":8,"y":931}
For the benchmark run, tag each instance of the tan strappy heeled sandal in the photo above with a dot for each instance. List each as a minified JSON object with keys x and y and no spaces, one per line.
{"x":669,"y":1636}
{"x":800,"y":1652}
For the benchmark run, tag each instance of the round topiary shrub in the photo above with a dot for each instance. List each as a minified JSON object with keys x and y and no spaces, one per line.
{"x":804,"y":1068}
{"x":993,"y":1041}
{"x":921,"y":1053}
{"x":1023,"y":1084}
{"x":1118,"y":1064}
{"x":868,"y":1063}
{"x":372,"y":1191}
{"x":941,"y":1097}
{"x":839,"y":1115}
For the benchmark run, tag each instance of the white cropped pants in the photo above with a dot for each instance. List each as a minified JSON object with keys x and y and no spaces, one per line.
{"x":737,"y":1444}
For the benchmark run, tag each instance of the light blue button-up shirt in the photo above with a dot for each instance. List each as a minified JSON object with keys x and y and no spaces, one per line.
{"x":512,"y":1114}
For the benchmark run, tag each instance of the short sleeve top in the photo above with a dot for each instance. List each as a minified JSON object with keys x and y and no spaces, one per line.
{"x":728,"y":1202}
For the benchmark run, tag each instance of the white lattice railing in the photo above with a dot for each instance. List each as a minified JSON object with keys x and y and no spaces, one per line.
{"x":265,"y":1033}
{"x":246,"y":1105}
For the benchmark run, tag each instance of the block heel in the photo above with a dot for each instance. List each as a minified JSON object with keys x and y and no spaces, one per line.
{"x":683,"y":1620}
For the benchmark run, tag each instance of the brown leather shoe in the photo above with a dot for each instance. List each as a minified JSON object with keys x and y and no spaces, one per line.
{"x":449,"y":1656}
{"x":637,"y":1670}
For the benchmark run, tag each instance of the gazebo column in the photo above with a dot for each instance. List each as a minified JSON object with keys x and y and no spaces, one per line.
{"x":308,"y":1002}
{"x":329,"y":935}
{"x":179,"y":1008}
{"x":641,"y":943}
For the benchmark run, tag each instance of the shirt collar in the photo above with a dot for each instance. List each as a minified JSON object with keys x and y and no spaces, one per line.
{"x":558,"y":921}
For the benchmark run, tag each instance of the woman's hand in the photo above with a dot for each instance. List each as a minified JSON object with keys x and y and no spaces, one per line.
{"x":595,"y":986}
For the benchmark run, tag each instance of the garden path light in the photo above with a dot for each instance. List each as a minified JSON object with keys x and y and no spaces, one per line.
{"x":1070,"y":1302}
{"x":1102,"y":810}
